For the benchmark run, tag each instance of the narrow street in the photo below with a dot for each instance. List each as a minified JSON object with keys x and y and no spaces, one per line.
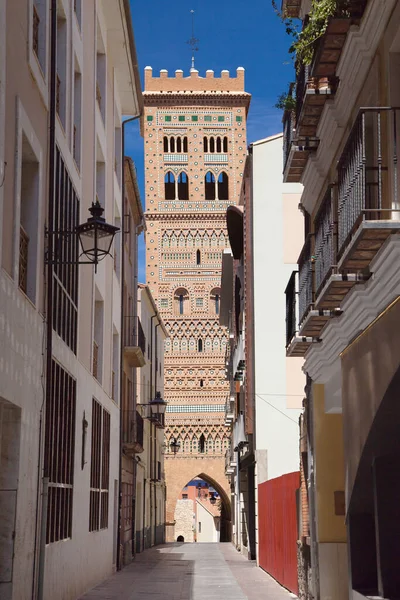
{"x":190,"y":572}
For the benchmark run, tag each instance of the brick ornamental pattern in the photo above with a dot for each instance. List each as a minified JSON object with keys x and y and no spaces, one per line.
{"x":193,"y":127}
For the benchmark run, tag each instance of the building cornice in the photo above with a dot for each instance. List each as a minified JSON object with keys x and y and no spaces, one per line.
{"x":156,"y":216}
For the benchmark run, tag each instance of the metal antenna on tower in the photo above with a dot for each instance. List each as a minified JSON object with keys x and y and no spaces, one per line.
{"x":193,"y":42}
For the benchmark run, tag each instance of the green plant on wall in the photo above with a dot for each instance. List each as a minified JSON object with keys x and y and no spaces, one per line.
{"x":286,"y":102}
{"x":304,"y":41}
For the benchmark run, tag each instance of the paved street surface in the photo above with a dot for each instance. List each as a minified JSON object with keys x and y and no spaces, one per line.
{"x":190,"y":572}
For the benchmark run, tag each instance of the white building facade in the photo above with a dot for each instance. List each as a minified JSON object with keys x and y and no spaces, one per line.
{"x":59,"y":405}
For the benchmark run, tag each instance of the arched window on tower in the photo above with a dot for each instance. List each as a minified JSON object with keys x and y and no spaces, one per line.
{"x":201,"y":382}
{"x":198,"y":257}
{"x":200,"y":345}
{"x":183,"y":186}
{"x":209,"y":184}
{"x":225,"y":144}
{"x":202,"y":443}
{"x":219,"y":144}
{"x":181,"y":301}
{"x":212,"y":145}
{"x":169,"y":184}
{"x":223,"y":188}
{"x":215,"y":300}
{"x":185,"y":144}
{"x":178,"y":145}
{"x":205,"y":144}
{"x":165,"y":144}
{"x":172,"y":144}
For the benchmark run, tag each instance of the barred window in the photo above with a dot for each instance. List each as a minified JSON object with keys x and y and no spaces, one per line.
{"x":181,"y":408}
{"x":60,"y":451}
{"x":65,"y":276}
{"x":100,"y":468}
{"x":164,"y":302}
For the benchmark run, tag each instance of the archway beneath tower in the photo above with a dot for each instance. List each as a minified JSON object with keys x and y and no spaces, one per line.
{"x":180,"y":472}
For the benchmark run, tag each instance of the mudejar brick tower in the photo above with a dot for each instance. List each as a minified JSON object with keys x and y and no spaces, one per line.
{"x":194,"y":132}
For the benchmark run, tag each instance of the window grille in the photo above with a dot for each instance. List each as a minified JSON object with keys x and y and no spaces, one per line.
{"x":36,"y":26}
{"x":95,"y":369}
{"x":59,"y":455}
{"x":23,"y":259}
{"x":100,"y":468}
{"x":65,"y":288}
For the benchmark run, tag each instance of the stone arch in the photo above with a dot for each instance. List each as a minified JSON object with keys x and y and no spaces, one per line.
{"x":180,"y":471}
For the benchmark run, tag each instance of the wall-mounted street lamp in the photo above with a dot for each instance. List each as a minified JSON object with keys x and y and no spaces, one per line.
{"x":174,"y":445}
{"x":157,"y":409}
{"x":95,"y":237}
{"x":213,"y":499}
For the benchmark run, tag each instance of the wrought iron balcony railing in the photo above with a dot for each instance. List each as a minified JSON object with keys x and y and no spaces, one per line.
{"x":133,"y":333}
{"x":132,"y":431}
{"x":368,"y":172}
{"x":325,"y":240}
{"x":291,"y":307}
{"x":306,"y":288}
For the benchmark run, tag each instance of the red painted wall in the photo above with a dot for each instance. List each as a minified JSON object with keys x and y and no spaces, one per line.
{"x":277,"y":528}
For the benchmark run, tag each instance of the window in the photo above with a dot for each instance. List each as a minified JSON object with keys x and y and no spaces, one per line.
{"x":149,"y":117}
{"x":205,"y":144}
{"x":184,"y":496}
{"x":164,"y":302}
{"x":212,"y":145}
{"x":221,"y":118}
{"x":172,"y":144}
{"x":200,"y":345}
{"x":181,"y":118}
{"x":183,"y":186}
{"x":101,"y":79}
{"x":78,"y":11}
{"x":98,"y":340}
{"x":199,"y":526}
{"x":166,"y":145}
{"x":209,"y":182}
{"x":239,"y":119}
{"x":167,"y":118}
{"x":195,"y":118}
{"x":202,"y":443}
{"x":28,"y":231}
{"x":60,"y":454}
{"x":215,"y":299}
{"x":185,"y":144}
{"x":208,"y":118}
{"x":198,"y":257}
{"x":35,"y":32}
{"x":201,"y":382}
{"x":225,"y":148}
{"x":76,"y":134}
{"x":199,"y":302}
{"x":39,"y":31}
{"x":61,"y":88}
{"x":99,"y":468}
{"x":65,"y":280}
{"x":169,"y":185}
{"x":178,"y":145}
{"x":181,"y":301}
{"x":219,"y":146}
{"x":223,"y":188}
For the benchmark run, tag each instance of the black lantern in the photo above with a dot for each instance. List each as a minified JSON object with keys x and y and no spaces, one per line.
{"x":175,"y":445}
{"x":157,"y":407}
{"x":212,"y":499}
{"x":96,"y":236}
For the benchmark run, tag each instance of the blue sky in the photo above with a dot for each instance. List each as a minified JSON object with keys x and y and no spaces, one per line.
{"x":231,"y":33}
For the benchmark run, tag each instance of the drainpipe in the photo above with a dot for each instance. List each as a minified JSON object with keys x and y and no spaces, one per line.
{"x":121,"y":360}
{"x":49,"y":287}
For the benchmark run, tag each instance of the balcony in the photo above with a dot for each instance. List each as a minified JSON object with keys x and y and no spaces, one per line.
{"x":315,"y":84}
{"x":304,"y":322}
{"x":368,"y":175}
{"x":132,"y":432}
{"x":134,"y":342}
{"x":230,"y":461}
{"x":229,"y":411}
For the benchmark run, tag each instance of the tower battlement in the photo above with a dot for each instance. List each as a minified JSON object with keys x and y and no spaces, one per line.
{"x":193,"y":83}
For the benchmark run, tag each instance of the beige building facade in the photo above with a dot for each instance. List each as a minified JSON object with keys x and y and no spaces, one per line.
{"x":195,"y":146}
{"x":59,"y":426}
